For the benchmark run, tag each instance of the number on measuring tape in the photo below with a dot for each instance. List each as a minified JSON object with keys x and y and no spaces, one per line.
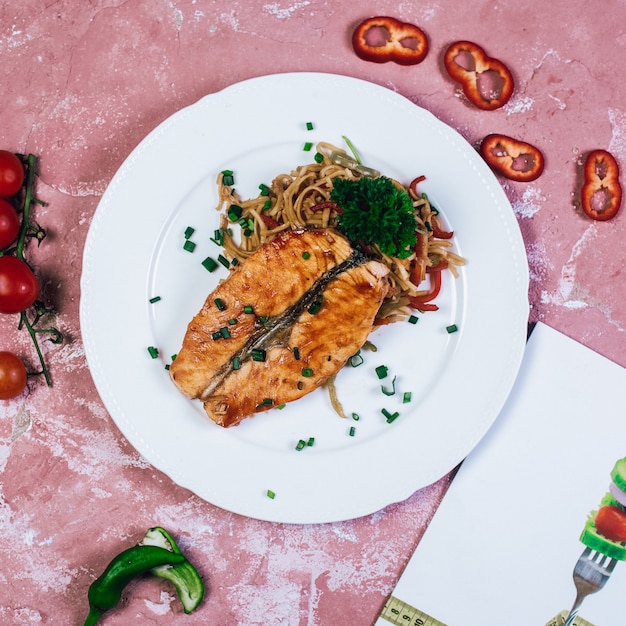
{"x":398,"y":612}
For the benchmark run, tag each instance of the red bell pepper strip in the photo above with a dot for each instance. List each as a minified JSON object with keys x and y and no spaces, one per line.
{"x":512,"y":158}
{"x":381,"y":39}
{"x":438,"y":232}
{"x":269,"y":222}
{"x":601,"y":193}
{"x":327,"y":204}
{"x":424,"y":303}
{"x":486,"y":82}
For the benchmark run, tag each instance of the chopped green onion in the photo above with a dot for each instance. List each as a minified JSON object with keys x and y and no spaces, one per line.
{"x":227,"y":178}
{"x":249,"y":309}
{"x":155,"y":299}
{"x":174,"y":357}
{"x":258,"y":354}
{"x":389,"y":392}
{"x":406,"y":398}
{"x":232,"y":321}
{"x":307,"y":146}
{"x":236,"y":362}
{"x":310,"y":442}
{"x":209,"y":264}
{"x":318,"y":157}
{"x":189,"y":245}
{"x":270,"y":494}
{"x":352,"y":431}
{"x":381,"y":371}
{"x":189,"y":231}
{"x":267,"y":205}
{"x":224,"y":261}
{"x":386,"y":413}
{"x":350,"y":145}
{"x":356,"y":417}
{"x":225,"y":332}
{"x":218,"y":237}
{"x":219,"y":303}
{"x":307,"y":372}
{"x":309,"y":125}
{"x":234,"y":212}
{"x":452,"y":328}
{"x":356,"y":359}
{"x":393,"y":417}
{"x":306,"y":255}
{"x":267,"y":402}
{"x":217,"y":335}
{"x":413,"y":319}
{"x":301,"y":444}
{"x":248,"y":232}
{"x":280,"y":407}
{"x":296,"y":353}
{"x":315,"y":306}
{"x":265,"y":190}
{"x":154,"y":353}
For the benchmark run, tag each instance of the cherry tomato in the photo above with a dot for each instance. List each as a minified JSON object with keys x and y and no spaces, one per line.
{"x":19,"y":287}
{"x":9,"y":224}
{"x":12,"y":376}
{"x":611,"y":522}
{"x":11,"y":174}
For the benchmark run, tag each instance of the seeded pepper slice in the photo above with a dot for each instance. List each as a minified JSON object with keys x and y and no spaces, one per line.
{"x":381,"y":39}
{"x":512,"y":158}
{"x":601,"y":194}
{"x":486,"y":82}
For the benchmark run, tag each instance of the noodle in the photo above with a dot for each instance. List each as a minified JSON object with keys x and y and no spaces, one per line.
{"x":301,"y":199}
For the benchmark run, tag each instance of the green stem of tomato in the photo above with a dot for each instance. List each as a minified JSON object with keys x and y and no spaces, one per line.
{"x":28,"y":198}
{"x":33,"y":335}
{"x":31,"y":162}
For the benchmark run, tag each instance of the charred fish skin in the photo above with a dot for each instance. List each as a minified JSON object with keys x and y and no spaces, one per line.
{"x":277,"y":275}
{"x":302,"y":305}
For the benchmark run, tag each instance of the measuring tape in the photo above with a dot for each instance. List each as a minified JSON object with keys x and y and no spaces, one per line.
{"x":398,"y":612}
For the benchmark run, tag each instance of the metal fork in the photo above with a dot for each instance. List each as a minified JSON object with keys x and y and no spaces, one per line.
{"x":591,"y":572}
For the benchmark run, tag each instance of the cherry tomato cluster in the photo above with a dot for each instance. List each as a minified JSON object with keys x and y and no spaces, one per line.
{"x":488,"y":84}
{"x":19,"y":287}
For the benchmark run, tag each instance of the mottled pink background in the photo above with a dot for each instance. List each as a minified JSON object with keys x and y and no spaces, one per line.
{"x":83,"y":83}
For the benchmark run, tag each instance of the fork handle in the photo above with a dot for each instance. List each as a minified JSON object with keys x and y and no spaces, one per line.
{"x":572,"y":615}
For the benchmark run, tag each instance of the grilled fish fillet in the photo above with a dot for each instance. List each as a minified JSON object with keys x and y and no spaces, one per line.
{"x":313,"y":299}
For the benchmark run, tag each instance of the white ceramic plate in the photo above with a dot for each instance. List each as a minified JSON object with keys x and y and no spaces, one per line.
{"x":458,"y":381}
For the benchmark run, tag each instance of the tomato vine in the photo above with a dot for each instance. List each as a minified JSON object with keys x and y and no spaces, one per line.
{"x":32,"y":318}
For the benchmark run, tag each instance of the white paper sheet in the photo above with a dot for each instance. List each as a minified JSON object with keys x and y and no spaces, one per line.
{"x":502,"y":546}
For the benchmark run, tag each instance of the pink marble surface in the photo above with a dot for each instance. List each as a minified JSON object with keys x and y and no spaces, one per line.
{"x":83,"y":83}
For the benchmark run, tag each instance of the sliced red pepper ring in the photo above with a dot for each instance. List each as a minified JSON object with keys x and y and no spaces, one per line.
{"x":381,"y":39}
{"x":601,"y":194}
{"x":486,"y":82}
{"x":512,"y":158}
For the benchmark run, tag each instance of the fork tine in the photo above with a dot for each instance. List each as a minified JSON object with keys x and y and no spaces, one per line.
{"x":591,"y":572}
